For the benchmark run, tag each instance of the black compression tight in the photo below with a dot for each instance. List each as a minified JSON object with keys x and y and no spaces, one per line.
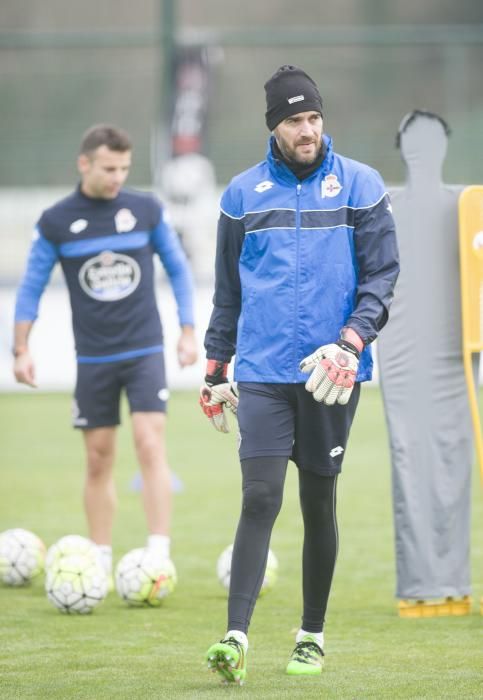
{"x":321,"y":540}
{"x":263,"y":481}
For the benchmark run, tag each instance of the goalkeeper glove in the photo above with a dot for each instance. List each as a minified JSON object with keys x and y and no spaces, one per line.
{"x":216,"y":394}
{"x":334,"y":368}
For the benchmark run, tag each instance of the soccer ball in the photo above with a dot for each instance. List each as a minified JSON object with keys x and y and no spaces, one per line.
{"x":142,"y":578}
{"x":22,"y":556}
{"x":71,"y":544}
{"x":223,"y":570}
{"x":76,"y":583}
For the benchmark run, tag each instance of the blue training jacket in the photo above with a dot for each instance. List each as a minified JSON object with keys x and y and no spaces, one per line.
{"x":297,"y":261}
{"x":106,"y":248}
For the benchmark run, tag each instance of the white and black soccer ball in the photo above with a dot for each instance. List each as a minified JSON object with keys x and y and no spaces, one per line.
{"x":71,"y":544}
{"x":76,"y":583}
{"x":223,"y":570}
{"x":22,"y":556}
{"x":145,"y":579}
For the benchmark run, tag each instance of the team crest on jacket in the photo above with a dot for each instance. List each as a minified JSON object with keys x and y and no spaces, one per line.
{"x":330,"y":186}
{"x":109,"y":276}
{"x":124,"y":220}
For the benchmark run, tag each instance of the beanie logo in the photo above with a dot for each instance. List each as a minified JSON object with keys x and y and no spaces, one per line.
{"x":330,"y":186}
{"x":297,"y":98}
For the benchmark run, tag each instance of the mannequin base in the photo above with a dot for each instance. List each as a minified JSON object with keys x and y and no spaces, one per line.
{"x":436,"y":608}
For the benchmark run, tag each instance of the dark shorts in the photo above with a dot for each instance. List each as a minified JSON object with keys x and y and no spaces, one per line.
{"x":99,"y":386}
{"x":284,"y":420}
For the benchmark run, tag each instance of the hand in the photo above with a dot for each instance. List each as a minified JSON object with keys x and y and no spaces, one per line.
{"x":214,"y":400}
{"x":216,"y":394}
{"x":24,"y":369}
{"x":334,"y":371}
{"x":187,"y":349}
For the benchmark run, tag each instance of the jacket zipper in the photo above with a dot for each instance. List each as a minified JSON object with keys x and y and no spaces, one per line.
{"x":297,"y":255}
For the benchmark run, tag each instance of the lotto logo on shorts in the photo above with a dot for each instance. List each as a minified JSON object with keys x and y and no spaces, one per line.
{"x":336,"y":451}
{"x":76,"y":416}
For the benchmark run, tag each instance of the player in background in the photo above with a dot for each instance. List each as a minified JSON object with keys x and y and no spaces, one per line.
{"x":105,"y":237}
{"x":306,"y":264}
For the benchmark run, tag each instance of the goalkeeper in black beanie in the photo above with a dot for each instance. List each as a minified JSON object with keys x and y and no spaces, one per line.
{"x":306,"y":264}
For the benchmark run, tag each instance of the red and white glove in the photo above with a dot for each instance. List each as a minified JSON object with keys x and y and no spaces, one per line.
{"x":334,"y":368}
{"x":216,"y":394}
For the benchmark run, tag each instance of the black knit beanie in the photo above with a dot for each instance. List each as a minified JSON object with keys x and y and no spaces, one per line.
{"x":290,"y":91}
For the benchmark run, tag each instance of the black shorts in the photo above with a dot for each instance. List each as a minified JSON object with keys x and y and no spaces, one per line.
{"x":99,"y":386}
{"x":284,"y":420}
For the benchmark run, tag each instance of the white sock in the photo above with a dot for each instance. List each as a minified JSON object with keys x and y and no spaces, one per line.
{"x":105,"y":556}
{"x":318,"y":636}
{"x":160,"y":545}
{"x":239,"y":636}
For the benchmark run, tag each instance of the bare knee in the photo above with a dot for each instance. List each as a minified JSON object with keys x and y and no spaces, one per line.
{"x":100,"y":452}
{"x":149,"y":448}
{"x":149,"y":438}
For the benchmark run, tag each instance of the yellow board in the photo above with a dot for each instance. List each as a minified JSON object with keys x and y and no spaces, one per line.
{"x":471,"y":265}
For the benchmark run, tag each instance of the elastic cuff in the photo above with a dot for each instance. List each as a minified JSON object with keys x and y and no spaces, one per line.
{"x":216,"y":372}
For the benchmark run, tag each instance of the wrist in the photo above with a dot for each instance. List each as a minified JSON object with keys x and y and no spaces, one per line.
{"x":18,"y":350}
{"x":216,"y":372}
{"x":348,"y":347}
{"x":352,"y":337}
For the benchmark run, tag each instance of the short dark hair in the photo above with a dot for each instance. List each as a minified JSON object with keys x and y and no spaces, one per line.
{"x":113,"y":137}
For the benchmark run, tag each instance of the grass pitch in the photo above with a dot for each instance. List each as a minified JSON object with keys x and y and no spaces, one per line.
{"x":118,"y":652}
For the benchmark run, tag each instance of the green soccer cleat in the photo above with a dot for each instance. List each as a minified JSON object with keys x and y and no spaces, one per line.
{"x":229,"y":658}
{"x":307,"y":658}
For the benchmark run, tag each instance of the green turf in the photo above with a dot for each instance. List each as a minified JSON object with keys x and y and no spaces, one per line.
{"x":120,"y":653}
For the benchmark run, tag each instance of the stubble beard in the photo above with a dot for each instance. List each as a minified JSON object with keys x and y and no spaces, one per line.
{"x":291,"y":154}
